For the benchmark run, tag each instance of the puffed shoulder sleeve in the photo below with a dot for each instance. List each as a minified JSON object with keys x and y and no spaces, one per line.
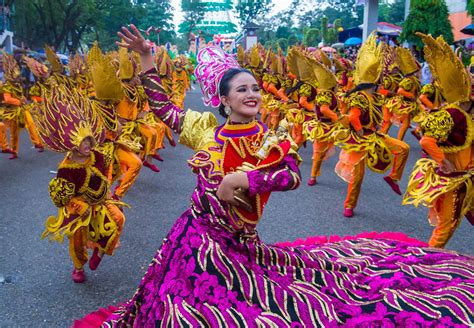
{"x":61,"y":191}
{"x":198,"y":129}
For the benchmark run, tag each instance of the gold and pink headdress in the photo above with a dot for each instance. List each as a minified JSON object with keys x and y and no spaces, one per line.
{"x":38,"y":69}
{"x":66,"y":119}
{"x":213,"y":62}
{"x":10,"y":67}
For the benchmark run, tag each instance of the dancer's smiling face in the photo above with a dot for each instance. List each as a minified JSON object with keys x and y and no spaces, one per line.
{"x":242,"y":96}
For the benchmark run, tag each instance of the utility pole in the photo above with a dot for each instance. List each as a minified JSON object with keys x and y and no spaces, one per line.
{"x":371,"y":10}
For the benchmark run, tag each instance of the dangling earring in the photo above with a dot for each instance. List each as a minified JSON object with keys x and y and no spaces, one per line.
{"x":227,"y":110}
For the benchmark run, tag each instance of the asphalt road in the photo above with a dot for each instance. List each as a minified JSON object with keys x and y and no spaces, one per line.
{"x":35,"y":285}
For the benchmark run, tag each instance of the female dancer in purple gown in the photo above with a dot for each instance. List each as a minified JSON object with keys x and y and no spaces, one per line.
{"x":212,"y":269}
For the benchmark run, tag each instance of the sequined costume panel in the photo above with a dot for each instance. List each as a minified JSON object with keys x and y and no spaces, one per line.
{"x":211,"y":272}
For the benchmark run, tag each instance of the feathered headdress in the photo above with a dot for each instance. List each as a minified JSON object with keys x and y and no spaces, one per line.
{"x":323,"y":58}
{"x":241,"y":55}
{"x":77,"y":66}
{"x":56,"y":65}
{"x":163,"y":61}
{"x":213,"y":62}
{"x":299,"y":66}
{"x":66,"y":119}
{"x":390,"y":60}
{"x":126,"y":69}
{"x":406,"y":61}
{"x":447,"y":69}
{"x":326,"y":79}
{"x":10,"y":67}
{"x":38,"y":69}
{"x":368,"y":67}
{"x":107,"y":86}
{"x":341,"y":64}
{"x":254,"y":60}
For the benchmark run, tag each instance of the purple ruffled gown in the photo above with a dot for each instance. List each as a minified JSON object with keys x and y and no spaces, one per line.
{"x":208,"y":273}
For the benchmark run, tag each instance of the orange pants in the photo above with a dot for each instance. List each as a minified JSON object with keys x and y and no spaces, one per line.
{"x":297,"y":134}
{"x":149,"y":134}
{"x":400,"y":151}
{"x":30,"y":126}
{"x":130,"y":165}
{"x":168,"y":134}
{"x":448,"y":214}
{"x":354,"y":187}
{"x":320,"y":149}
{"x":15,"y":132}
{"x":161,"y":130}
{"x":387,"y":123}
{"x":78,"y":242}
{"x":3,"y":136}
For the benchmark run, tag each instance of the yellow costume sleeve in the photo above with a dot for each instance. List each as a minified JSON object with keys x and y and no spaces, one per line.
{"x":61,"y":191}
{"x":198,"y":129}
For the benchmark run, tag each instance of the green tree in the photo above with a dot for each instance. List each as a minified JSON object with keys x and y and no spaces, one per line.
{"x":350,"y":15}
{"x":68,"y":25}
{"x":429,"y":17}
{"x":312,"y":37}
{"x":159,"y":16}
{"x":392,"y":12}
{"x":282,"y":43}
{"x":292,"y":40}
{"x":194,"y":11}
{"x":324,"y":30}
{"x":282,"y":32}
{"x":470,"y":7}
{"x":249,"y":11}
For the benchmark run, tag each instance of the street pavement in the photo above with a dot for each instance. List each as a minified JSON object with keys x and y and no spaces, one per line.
{"x":36,"y":289}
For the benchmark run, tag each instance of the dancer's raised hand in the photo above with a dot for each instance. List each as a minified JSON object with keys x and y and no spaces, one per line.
{"x":133,"y":40}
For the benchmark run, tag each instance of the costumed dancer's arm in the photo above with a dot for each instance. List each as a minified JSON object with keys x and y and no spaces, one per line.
{"x":283,"y":177}
{"x":405,"y":93}
{"x":305,"y":104}
{"x":354,"y":118}
{"x":159,"y":102}
{"x":282,"y":95}
{"x":430,"y":146}
{"x":10,"y":100}
{"x":326,"y":111}
{"x":62,"y":193}
{"x":426,"y":101}
{"x":405,"y":87}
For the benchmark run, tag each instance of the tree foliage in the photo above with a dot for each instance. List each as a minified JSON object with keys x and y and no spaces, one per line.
{"x":349,"y":14}
{"x":312,"y":37}
{"x":68,"y":25}
{"x":470,"y":7}
{"x":392,"y":12}
{"x":282,"y":43}
{"x":159,"y":15}
{"x":193,"y":13}
{"x":429,"y":17}
{"x":293,"y":40}
{"x":248,"y":11}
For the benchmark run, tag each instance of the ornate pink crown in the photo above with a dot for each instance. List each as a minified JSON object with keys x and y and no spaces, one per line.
{"x":213,"y":62}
